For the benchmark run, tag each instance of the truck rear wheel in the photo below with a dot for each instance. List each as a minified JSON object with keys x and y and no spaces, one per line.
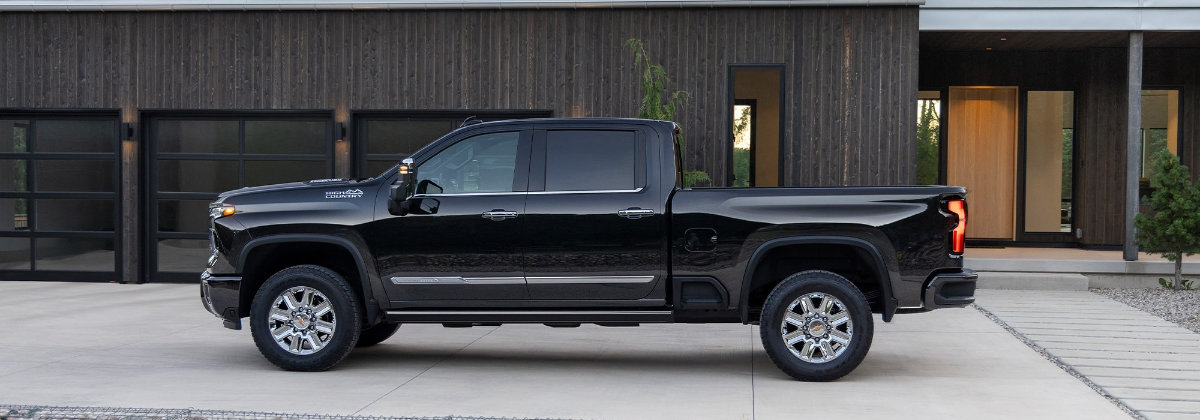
{"x":305,"y":318}
{"x":816,"y":326}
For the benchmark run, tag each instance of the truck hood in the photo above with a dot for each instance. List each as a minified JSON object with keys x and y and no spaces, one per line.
{"x":316,"y":183}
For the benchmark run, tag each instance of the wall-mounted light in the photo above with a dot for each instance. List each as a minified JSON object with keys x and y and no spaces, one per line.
{"x":128,"y":131}
{"x":340,"y":131}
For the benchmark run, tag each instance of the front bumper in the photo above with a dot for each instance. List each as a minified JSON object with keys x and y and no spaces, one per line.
{"x":220,"y":295}
{"x":951,"y":290}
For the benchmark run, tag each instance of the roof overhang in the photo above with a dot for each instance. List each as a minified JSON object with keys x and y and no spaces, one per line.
{"x":211,"y":5}
{"x":1060,"y":15}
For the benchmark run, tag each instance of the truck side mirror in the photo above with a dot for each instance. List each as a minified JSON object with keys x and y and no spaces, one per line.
{"x":401,"y":190}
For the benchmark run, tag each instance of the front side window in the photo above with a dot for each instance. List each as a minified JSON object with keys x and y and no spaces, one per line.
{"x":481,"y":164}
{"x":591,"y":160}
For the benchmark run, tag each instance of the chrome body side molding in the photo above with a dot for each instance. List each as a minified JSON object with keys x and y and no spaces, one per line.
{"x":455,"y":280}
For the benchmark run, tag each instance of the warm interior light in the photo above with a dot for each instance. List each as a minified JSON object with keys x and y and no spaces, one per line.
{"x":958,"y":236}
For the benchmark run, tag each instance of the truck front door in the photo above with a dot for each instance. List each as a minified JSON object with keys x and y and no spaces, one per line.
{"x":595,"y":217}
{"x":461,"y":240}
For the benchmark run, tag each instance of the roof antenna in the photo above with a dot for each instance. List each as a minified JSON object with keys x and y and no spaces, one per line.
{"x":472,"y":120}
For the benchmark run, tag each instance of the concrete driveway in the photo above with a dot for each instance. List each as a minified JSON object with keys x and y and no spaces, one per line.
{"x":84,"y":344}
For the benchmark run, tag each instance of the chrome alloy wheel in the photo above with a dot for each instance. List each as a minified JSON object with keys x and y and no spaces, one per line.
{"x":302,"y":320}
{"x":817,"y":327}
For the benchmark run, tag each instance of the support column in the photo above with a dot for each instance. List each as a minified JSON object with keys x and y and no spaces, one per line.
{"x":1133,"y":144}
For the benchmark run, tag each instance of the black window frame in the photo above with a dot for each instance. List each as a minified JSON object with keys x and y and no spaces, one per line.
{"x":32,"y":194}
{"x":1020,"y":234}
{"x":731,"y":100}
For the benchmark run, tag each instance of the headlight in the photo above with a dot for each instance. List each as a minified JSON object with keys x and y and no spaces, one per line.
{"x":216,"y":211}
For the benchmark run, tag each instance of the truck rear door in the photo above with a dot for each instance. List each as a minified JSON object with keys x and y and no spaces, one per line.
{"x":595,"y":221}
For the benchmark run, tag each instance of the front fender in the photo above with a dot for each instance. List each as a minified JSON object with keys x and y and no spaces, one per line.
{"x":358,"y":250}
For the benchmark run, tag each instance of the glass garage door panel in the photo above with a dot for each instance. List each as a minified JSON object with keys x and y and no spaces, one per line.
{"x":74,"y":136}
{"x":191,"y":136}
{"x":182,"y":255}
{"x":182,"y":216}
{"x":14,"y":253}
{"x":14,"y":214}
{"x":76,"y":254}
{"x":92,"y":215}
{"x":13,"y":175}
{"x":197,"y":158}
{"x":287,"y":137}
{"x":76,"y":175}
{"x":266,"y":172}
{"x":198,"y":176}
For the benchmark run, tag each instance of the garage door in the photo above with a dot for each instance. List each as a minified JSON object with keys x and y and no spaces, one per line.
{"x":59,"y":183}
{"x":195,"y":157}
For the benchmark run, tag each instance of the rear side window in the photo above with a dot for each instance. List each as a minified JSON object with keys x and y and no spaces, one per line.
{"x":591,"y":160}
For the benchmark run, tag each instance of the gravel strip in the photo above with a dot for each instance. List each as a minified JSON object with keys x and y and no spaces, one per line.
{"x":46,"y":412}
{"x":1181,"y":307}
{"x":1063,"y":365}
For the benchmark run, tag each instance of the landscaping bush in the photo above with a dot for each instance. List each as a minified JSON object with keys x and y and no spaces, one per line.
{"x":1173,"y":227}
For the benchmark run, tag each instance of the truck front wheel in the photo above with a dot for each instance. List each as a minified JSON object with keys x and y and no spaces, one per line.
{"x":816,"y":326}
{"x":305,"y":318}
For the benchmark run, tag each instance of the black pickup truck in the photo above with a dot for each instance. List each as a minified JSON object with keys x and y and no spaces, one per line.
{"x":570,"y":221}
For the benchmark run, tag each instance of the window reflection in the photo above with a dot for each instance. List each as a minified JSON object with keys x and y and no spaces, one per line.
{"x":484,"y":163}
{"x":1160,"y":126}
{"x":929,"y":125}
{"x":76,"y":254}
{"x":1049,"y":154}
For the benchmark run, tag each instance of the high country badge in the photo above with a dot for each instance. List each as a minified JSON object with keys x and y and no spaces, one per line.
{"x":350,"y":193}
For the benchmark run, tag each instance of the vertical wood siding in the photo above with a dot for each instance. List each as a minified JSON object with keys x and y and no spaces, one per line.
{"x":1103,"y":118}
{"x":850,"y":77}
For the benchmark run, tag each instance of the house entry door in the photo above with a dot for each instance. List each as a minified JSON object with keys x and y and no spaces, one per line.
{"x":982,"y":156}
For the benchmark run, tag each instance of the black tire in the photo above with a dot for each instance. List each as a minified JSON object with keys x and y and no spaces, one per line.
{"x":822,"y":366}
{"x":375,"y":335}
{"x":325,"y":286}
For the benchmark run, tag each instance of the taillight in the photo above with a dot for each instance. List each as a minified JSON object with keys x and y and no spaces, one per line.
{"x":958,"y":236}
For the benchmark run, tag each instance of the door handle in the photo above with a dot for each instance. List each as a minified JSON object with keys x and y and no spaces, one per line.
{"x":635,"y":213}
{"x":498,"y":215}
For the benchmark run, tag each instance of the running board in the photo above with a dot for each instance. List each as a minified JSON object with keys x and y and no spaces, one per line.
{"x":529,"y":317}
